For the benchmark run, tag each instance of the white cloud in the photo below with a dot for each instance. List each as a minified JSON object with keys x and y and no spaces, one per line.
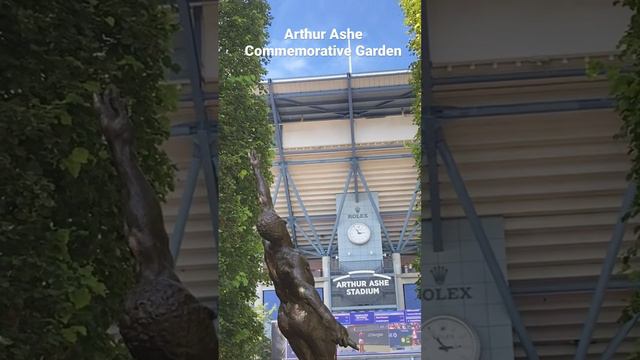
{"x":284,"y":67}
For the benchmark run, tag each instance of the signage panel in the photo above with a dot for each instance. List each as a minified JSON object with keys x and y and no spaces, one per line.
{"x":363,"y":289}
{"x":376,"y":333}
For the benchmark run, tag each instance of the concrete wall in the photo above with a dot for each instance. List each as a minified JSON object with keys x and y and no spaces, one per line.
{"x":467,"y":30}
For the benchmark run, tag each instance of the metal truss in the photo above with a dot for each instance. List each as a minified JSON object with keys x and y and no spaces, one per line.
{"x":349,"y":103}
{"x":203,"y":131}
{"x":434,"y":144}
{"x":405,"y":225}
{"x":332,"y":106}
{"x":451,"y":113}
{"x":605,"y":275}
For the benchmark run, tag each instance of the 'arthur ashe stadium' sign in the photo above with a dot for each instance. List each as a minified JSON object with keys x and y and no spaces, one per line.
{"x":363,"y":289}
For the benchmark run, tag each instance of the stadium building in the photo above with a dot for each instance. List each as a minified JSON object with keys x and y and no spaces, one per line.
{"x":526,"y":196}
{"x":191,"y":147}
{"x":346,"y":182}
{"x":522,"y":237}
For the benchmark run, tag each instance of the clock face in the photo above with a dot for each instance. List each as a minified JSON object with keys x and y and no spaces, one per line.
{"x":359,"y":233}
{"x":449,"y":338}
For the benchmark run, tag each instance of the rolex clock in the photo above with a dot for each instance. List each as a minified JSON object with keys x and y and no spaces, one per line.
{"x":448,"y":338}
{"x":359,"y":233}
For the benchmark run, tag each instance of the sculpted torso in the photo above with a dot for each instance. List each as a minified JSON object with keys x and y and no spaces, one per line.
{"x":303,"y":319}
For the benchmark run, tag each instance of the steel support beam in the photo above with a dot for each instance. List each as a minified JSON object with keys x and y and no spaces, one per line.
{"x":485,"y":247}
{"x":339,"y":160}
{"x":405,"y":224}
{"x":277,"y":189}
{"x":282,"y":164}
{"x":375,"y":208}
{"x":193,"y":58}
{"x":514,"y":76}
{"x":385,"y":102}
{"x":190,"y":129}
{"x":341,"y":92}
{"x":315,"y":240}
{"x":211,"y":181}
{"x":569,"y":287}
{"x":197,"y":20}
{"x":287,"y":195}
{"x":417,"y":226}
{"x":315,"y":107}
{"x":452,"y":113}
{"x":605,"y":274}
{"x":429,"y":135}
{"x":352,"y":132}
{"x":309,"y":240}
{"x":339,"y":213}
{"x":344,"y":149}
{"x":185,"y":206}
{"x":622,"y":333}
{"x":197,"y":94}
{"x":524,"y":75}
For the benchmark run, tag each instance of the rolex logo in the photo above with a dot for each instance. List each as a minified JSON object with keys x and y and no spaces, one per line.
{"x":357,"y":214}
{"x":439,"y":274}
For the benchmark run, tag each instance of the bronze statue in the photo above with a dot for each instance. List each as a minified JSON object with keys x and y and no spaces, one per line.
{"x":303,"y":319}
{"x":163,"y":320}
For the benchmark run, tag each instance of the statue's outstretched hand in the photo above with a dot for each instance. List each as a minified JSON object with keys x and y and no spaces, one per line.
{"x":114,"y":118}
{"x":253,"y":158}
{"x":342,"y":337}
{"x":264,"y":195}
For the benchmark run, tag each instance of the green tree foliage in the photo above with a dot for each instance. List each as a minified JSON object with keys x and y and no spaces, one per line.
{"x":624,"y":78}
{"x":625,"y":88}
{"x":64,"y":261}
{"x":244,"y":125}
{"x":412,"y":17}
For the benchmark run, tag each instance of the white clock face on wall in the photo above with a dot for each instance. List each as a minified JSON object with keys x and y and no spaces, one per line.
{"x":359,"y":233}
{"x":449,"y":338}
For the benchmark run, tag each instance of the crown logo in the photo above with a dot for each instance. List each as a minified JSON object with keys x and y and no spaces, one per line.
{"x":439,"y":274}
{"x":357,"y":209}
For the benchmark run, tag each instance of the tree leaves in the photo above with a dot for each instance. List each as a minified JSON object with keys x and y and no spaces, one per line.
{"x":78,"y":157}
{"x":71,"y":333}
{"x":413,"y":17}
{"x":625,"y":88}
{"x":80,"y":298}
{"x":64,"y":262}
{"x":244,"y":126}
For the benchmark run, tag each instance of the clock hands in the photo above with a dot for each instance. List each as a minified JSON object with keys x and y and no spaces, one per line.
{"x":443,"y":346}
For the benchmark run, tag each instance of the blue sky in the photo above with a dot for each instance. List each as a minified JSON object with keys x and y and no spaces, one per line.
{"x":381,"y":21}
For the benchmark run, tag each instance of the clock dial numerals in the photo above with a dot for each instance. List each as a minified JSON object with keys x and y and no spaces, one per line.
{"x":359,"y":233}
{"x":449,"y":338}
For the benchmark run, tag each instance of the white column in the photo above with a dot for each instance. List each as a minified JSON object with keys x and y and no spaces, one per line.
{"x":397,"y":271}
{"x":397,"y":263}
{"x":326,"y":274}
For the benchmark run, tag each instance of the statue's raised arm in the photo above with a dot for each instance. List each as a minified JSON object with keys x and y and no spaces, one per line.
{"x":162,"y":319}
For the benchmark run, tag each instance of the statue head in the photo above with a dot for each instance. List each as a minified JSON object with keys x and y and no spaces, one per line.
{"x":274,"y":229}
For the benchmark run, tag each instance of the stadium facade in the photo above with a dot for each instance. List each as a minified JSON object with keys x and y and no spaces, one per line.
{"x":187,"y":211}
{"x":526,"y":139}
{"x":346,"y":182}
